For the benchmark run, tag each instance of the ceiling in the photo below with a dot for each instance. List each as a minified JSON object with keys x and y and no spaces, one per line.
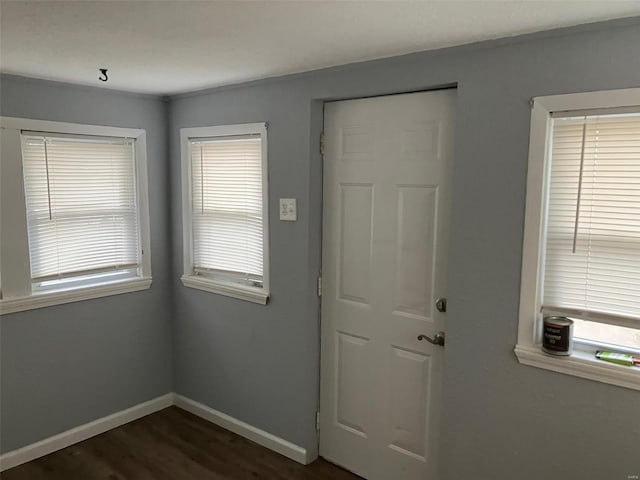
{"x":168,"y":47}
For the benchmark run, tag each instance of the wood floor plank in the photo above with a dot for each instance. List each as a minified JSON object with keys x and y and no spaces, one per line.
{"x":171,"y":445}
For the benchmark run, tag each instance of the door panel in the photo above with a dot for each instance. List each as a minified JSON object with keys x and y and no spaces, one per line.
{"x":415,"y":250}
{"x":409,"y":402}
{"x":351,"y":389}
{"x":355,"y":242}
{"x":387,"y":170}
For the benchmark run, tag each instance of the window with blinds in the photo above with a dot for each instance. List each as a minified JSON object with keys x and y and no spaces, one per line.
{"x":227,"y":208}
{"x":82,"y":213}
{"x":592,"y":240}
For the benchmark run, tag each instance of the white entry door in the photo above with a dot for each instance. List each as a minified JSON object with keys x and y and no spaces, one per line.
{"x":387,"y":188}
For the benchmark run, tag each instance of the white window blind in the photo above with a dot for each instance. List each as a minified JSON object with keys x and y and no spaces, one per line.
{"x":592,"y":247}
{"x":227,"y":223}
{"x":82,"y":213}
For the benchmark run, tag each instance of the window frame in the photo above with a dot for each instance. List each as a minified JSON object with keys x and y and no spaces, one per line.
{"x":18,"y":293}
{"x":582,"y":363}
{"x":210,"y":283}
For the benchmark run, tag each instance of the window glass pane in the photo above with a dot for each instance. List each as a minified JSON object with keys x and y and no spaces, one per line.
{"x":592,"y":246}
{"x":227,"y":218}
{"x":602,"y":333}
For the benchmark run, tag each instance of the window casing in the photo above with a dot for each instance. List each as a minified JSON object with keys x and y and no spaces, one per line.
{"x":75,"y":221}
{"x":581,"y":249}
{"x":225,"y":210}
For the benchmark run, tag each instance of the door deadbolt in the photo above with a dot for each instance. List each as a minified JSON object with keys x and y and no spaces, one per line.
{"x":438,"y":339}
{"x":441,"y":304}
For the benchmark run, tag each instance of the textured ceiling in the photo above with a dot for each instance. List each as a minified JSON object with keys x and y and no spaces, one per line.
{"x":176,"y":46}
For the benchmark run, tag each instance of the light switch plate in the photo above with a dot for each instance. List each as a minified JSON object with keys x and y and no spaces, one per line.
{"x":288,"y":211}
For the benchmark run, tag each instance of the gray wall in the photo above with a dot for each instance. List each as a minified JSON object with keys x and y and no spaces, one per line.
{"x":67,"y":365}
{"x":501,"y":419}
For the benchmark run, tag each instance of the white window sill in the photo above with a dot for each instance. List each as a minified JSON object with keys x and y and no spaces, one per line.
{"x":580,"y":364}
{"x":250,"y":294}
{"x":48,"y":299}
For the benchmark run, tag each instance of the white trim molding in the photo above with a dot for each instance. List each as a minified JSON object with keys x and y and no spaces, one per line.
{"x":266,"y":439}
{"x":255,"y":295}
{"x":18,"y":293}
{"x":39,"y":300}
{"x":582,"y":362}
{"x":83,"y":432}
{"x":211,"y":283}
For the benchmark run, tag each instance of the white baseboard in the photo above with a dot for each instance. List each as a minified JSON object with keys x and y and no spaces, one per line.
{"x":266,"y":439}
{"x":83,"y":432}
{"x":78,"y":434}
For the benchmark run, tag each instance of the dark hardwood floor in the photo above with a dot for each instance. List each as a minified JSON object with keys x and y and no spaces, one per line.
{"x":174,"y":445}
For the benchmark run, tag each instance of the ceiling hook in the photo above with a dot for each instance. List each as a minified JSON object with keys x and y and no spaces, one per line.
{"x":104,"y":73}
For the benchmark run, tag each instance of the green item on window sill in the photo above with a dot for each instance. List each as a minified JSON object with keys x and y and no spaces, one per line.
{"x":619,"y":358}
